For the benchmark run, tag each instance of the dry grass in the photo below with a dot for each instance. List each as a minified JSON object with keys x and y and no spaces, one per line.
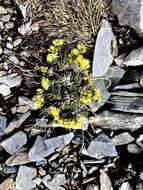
{"x":73,"y":20}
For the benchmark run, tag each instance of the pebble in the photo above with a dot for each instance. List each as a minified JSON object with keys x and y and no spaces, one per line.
{"x":4,"y":90}
{"x":133,"y":149}
{"x":17,"y":42}
{"x":25,"y":176}
{"x":1,"y":50}
{"x":9,"y":25}
{"x":2,"y":10}
{"x":1,"y":25}
{"x":139,"y":141}
{"x":14,"y":59}
{"x":105,"y":182}
{"x":9,"y":45}
{"x":125,"y":186}
{"x":123,"y":138}
{"x":14,"y":143}
{"x":5,"y":18}
{"x":141,"y":175}
{"x":3,"y":124}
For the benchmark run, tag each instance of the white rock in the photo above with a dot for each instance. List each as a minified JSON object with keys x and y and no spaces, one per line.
{"x":105,"y":182}
{"x":25,"y":177}
{"x":14,"y":59}
{"x":5,"y":18}
{"x":9,"y":25}
{"x":125,"y":186}
{"x":17,"y":42}
{"x":4,"y":90}
{"x":11,"y":80}
{"x":103,"y":55}
{"x":2,"y":10}
{"x":1,"y":50}
{"x":9,"y":45}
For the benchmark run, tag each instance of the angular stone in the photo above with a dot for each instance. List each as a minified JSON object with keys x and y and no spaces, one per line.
{"x":55,"y":183}
{"x":105,"y":182}
{"x":24,"y":101}
{"x":125,"y":186}
{"x":129,"y":12}
{"x":8,"y":184}
{"x":123,"y":138}
{"x":43,"y":148}
{"x":133,"y":149}
{"x":103,"y":146}
{"x":24,"y":179}
{"x":2,"y":10}
{"x":14,"y":59}
{"x":103,"y":55}
{"x":15,"y":142}
{"x":3,"y":124}
{"x":5,"y":18}
{"x":115,"y":121}
{"x":4,"y":90}
{"x":11,"y":80}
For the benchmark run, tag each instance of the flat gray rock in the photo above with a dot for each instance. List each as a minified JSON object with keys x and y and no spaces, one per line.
{"x":11,"y":80}
{"x":3,"y":124}
{"x":24,"y":179}
{"x":15,"y":142}
{"x":125,"y":186}
{"x":129,"y":12}
{"x":43,"y":148}
{"x":103,"y":146}
{"x":55,"y":183}
{"x":116,"y":120}
{"x":103,"y":55}
{"x":123,"y":138}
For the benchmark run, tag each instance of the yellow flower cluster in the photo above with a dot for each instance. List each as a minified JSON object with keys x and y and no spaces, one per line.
{"x":88,"y":79}
{"x":77,"y":57}
{"x":88,"y":96}
{"x":45,"y":83}
{"x":39,"y":99}
{"x":43,"y":69}
{"x":74,"y":124}
{"x":53,"y":50}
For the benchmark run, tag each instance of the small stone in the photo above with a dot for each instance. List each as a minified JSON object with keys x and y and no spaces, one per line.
{"x":15,"y":142}
{"x":5,"y":18}
{"x":105,"y":182}
{"x":24,"y":101}
{"x":9,"y":25}
{"x":133,"y":149}
{"x":103,"y":49}
{"x":121,"y":139}
{"x":23,"y":109}
{"x":14,"y":59}
{"x":4,"y":90}
{"x":1,"y":50}
{"x":2,"y":10}
{"x":9,"y":45}
{"x":102,"y":146}
{"x":11,"y":80}
{"x":141,"y":175}
{"x":10,"y":170}
{"x":139,"y":141}
{"x":8,"y":184}
{"x":17,"y":42}
{"x":1,"y":25}
{"x":24,"y":179}
{"x":55,"y":183}
{"x":125,"y":186}
{"x":3,"y":124}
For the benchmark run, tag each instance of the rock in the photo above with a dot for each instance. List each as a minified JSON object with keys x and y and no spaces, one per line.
{"x":129,"y":13}
{"x":19,"y":158}
{"x":17,"y":122}
{"x":92,"y":187}
{"x":120,"y":60}
{"x":125,"y":186}
{"x":28,"y":28}
{"x":1,"y":50}
{"x":8,"y":184}
{"x":133,"y":149}
{"x":43,"y":148}
{"x":15,"y":142}
{"x":121,"y":139}
{"x":101,"y":146}
{"x":55,"y":183}
{"x":14,"y":59}
{"x":135,"y":58}
{"x":139,"y":186}
{"x":24,"y":101}
{"x":10,"y":169}
{"x":4,"y":90}
{"x":17,"y":42}
{"x":3,"y":124}
{"x":141,"y":175}
{"x":11,"y":80}
{"x":5,"y":18}
{"x":9,"y":25}
{"x":114,"y":74}
{"x":139,"y":141}
{"x":24,"y":179}
{"x":105,"y":42}
{"x":115,"y":121}
{"x":105,"y":182}
{"x":2,"y":10}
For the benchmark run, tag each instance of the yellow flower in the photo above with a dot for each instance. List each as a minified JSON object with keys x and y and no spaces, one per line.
{"x":58,"y":42}
{"x":52,"y":57}
{"x":75,"y":52}
{"x":45,"y":83}
{"x":88,"y":79}
{"x":55,"y":112}
{"x":39,"y":91}
{"x":86,"y":97}
{"x":97,"y":95}
{"x":82,"y":48}
{"x":83,"y":63}
{"x":52,"y":49}
{"x":39,"y":101}
{"x":79,"y":59}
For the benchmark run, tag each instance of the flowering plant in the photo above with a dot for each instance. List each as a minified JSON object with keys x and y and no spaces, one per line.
{"x":66,"y":87}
